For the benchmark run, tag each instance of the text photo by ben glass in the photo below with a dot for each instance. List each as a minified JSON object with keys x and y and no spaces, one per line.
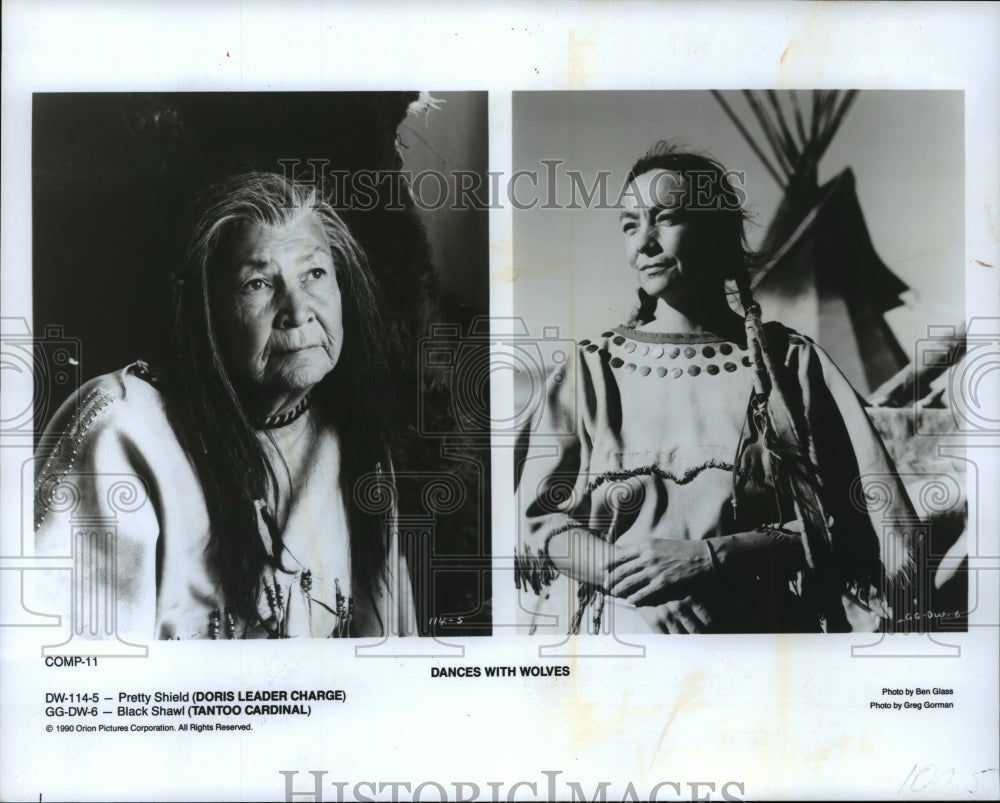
{"x":760,"y":379}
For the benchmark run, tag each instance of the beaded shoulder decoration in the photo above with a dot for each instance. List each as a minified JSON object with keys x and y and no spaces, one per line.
{"x":63,"y":456}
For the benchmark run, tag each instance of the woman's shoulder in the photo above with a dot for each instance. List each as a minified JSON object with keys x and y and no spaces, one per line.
{"x":596,"y":339}
{"x":112,"y":424}
{"x":595,"y":349}
{"x":120,"y":399}
{"x":794,"y":347}
{"x":811,"y":366}
{"x":784,"y":336}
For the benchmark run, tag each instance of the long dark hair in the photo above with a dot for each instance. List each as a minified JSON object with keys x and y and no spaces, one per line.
{"x":214,"y":424}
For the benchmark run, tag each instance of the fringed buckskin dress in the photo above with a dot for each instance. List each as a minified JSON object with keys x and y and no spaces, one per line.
{"x":649,"y":435}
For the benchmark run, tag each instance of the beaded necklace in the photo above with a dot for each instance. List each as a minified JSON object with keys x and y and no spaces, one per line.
{"x":286,"y":418}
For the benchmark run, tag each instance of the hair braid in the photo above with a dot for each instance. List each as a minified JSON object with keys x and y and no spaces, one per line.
{"x":788,"y":467}
{"x":756,"y":340}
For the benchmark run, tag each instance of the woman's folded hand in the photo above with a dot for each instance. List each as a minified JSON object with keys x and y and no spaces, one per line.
{"x":658,"y":570}
{"x":662,"y":569}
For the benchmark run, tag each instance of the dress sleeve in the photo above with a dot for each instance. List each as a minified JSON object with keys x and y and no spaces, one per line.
{"x":552,"y":459}
{"x":94,"y":505}
{"x":875,"y":533}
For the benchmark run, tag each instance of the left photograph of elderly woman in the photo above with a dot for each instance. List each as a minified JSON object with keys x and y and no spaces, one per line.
{"x":255,"y":477}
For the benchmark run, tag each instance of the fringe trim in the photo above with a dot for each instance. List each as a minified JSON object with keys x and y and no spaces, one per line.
{"x":535,"y":569}
{"x":585,"y":595}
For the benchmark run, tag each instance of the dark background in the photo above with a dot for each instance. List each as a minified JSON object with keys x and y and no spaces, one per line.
{"x":112,"y":177}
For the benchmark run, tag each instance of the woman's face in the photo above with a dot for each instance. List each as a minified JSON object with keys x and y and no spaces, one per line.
{"x":278,"y":306}
{"x":661,"y":242}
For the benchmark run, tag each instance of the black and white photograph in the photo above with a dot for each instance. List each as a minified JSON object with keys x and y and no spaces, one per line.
{"x":590,"y":401}
{"x":741,"y":450}
{"x":249,"y":285}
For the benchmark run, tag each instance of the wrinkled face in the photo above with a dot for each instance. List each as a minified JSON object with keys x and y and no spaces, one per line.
{"x":661,"y":243}
{"x":277,"y":303}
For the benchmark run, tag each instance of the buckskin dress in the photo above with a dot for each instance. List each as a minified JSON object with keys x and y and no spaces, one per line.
{"x":116,"y":492}
{"x":648,"y":435}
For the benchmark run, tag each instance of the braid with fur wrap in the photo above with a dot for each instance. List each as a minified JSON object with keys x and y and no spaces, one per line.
{"x":789,"y":469}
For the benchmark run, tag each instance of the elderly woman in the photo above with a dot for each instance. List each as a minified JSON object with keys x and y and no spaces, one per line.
{"x":708,"y":478}
{"x":258,"y":463}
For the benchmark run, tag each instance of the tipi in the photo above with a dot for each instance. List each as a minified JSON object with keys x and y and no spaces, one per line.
{"x":822,"y":276}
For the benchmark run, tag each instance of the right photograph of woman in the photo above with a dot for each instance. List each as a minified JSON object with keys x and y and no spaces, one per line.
{"x":695,"y":469}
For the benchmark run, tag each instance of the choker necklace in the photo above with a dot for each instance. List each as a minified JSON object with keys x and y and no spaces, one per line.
{"x":286,"y":418}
